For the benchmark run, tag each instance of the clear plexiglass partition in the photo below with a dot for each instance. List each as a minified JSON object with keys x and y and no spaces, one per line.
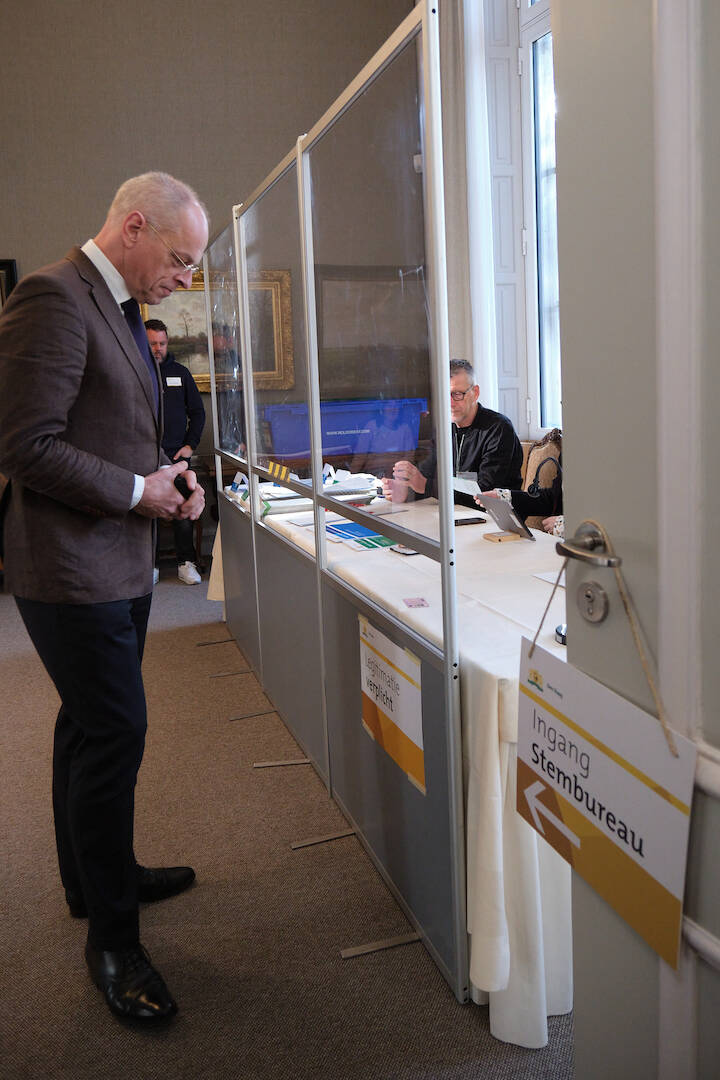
{"x":371,"y":295}
{"x":341,"y":275}
{"x":223,"y":316}
{"x":269,"y":234}
{"x":344,"y":335}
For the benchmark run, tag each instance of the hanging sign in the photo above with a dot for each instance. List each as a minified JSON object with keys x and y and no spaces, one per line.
{"x":390,"y":677}
{"x":595,"y":777}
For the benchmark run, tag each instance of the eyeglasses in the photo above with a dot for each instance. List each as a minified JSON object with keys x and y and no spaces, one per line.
{"x":458,"y":395}
{"x":189,"y":268}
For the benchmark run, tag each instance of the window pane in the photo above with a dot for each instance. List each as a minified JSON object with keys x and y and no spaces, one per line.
{"x":547,"y":250}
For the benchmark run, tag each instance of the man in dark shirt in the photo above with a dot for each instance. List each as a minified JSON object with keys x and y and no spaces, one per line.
{"x":184,"y":423}
{"x":484,"y":443}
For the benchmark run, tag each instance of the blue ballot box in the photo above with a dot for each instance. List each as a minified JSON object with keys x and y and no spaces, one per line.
{"x":348,"y":427}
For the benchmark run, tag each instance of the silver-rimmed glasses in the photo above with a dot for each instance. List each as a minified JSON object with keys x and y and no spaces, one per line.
{"x":187,"y":267}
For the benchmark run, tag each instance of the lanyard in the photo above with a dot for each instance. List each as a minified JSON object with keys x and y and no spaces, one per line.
{"x":458,"y":451}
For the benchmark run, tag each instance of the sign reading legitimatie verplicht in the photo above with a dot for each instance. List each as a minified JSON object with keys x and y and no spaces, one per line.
{"x":596,"y":778}
{"x":391,"y":681}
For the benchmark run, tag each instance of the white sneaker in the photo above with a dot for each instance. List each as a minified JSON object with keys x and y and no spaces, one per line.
{"x":156,"y":575}
{"x":188,"y":574}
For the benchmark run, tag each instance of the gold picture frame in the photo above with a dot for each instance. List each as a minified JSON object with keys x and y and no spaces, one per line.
{"x":270,"y":296}
{"x":270,"y":299}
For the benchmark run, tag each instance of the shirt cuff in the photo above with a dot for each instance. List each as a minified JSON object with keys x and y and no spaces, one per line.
{"x":138,"y":491}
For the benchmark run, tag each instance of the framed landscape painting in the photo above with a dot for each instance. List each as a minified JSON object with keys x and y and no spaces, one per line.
{"x":185,"y":316}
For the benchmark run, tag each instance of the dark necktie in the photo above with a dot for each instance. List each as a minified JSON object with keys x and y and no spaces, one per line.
{"x":131,"y":309}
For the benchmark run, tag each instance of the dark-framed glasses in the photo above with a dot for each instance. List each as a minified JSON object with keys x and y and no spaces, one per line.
{"x":190,"y":268}
{"x":458,"y":395}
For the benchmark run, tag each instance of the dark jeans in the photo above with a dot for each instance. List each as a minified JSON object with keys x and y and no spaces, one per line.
{"x":184,"y":546}
{"x":184,"y":541}
{"x":93,"y":654}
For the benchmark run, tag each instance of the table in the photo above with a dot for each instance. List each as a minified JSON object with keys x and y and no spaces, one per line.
{"x":518,"y":888}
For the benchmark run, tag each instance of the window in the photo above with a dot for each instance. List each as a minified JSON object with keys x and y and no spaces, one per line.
{"x":540,"y":203}
{"x":548,"y":327}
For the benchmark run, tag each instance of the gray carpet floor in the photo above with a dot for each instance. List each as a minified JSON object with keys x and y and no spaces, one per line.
{"x":252,"y":951}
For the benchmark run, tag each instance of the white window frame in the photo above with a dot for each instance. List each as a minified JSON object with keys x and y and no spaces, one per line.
{"x":534,"y":23}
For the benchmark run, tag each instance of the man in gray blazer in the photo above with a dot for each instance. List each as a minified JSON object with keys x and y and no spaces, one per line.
{"x":80,"y":430}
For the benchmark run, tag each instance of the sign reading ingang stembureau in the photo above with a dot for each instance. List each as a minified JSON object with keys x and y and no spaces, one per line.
{"x":596,"y":778}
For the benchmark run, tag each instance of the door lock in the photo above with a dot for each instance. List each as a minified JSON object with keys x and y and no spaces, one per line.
{"x":592,"y":601}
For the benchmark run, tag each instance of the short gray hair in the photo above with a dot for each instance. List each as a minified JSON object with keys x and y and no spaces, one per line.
{"x":157,"y":195}
{"x":457,"y":367}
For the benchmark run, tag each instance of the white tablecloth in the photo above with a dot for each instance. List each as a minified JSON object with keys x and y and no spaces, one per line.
{"x":518,"y":888}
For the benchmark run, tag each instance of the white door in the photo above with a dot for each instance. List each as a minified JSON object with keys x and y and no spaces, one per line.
{"x":638,"y":172}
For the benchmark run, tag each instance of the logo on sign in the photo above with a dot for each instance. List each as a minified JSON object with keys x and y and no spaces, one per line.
{"x":535,"y":679}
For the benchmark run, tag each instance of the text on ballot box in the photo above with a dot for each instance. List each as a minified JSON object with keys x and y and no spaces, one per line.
{"x":391,"y":682}
{"x":596,"y":778}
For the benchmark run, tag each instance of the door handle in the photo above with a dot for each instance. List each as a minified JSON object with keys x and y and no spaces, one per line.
{"x":587,"y":545}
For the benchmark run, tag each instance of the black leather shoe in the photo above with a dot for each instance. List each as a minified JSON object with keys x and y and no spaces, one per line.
{"x":160,"y":882}
{"x":132,"y":987}
{"x":154,"y":883}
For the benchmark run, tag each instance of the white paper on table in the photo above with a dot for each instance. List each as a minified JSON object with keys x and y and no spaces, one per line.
{"x":308,"y":518}
{"x":384,"y":506}
{"x":468,"y":487}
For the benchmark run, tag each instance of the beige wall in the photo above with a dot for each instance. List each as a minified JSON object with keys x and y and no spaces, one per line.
{"x":215,"y":93}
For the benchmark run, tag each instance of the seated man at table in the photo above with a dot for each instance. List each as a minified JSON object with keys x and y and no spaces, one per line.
{"x":484,"y":443}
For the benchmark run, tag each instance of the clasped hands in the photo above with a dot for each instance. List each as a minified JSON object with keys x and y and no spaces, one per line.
{"x":161,"y":499}
{"x":405,"y":475}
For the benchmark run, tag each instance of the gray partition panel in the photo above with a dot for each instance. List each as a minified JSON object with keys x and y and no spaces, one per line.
{"x":239,"y":580}
{"x":407,"y":833}
{"x":290,"y":636}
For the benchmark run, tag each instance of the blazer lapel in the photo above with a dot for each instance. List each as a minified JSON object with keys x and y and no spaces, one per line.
{"x":113,"y":316}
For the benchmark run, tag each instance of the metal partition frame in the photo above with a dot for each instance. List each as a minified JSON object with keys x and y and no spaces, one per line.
{"x":289,"y":562}
{"x":421,"y":24}
{"x":424,"y":22}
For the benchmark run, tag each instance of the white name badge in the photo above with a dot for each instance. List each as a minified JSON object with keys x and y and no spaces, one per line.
{"x":174,"y":380}
{"x":596,"y":778}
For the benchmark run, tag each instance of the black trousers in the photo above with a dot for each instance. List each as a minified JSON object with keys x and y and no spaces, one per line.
{"x":93,"y":654}
{"x":183,"y":536}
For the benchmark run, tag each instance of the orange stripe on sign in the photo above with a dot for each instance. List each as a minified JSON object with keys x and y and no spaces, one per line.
{"x":394,"y":742}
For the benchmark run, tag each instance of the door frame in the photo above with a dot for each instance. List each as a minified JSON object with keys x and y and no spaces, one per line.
{"x":679,"y":269}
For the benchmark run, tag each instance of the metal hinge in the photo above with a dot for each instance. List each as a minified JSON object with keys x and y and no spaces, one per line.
{"x":523,"y":240}
{"x":528,"y":411}
{"x":520,"y":61}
